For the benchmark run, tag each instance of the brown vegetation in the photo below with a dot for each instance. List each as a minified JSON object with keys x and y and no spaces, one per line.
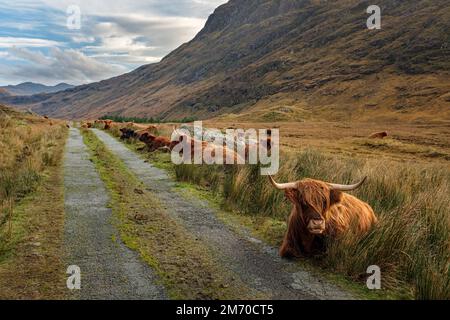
{"x":410,"y":243}
{"x":31,"y":206}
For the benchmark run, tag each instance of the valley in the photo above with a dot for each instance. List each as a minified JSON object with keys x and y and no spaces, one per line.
{"x":314,"y":58}
{"x":89,"y":189}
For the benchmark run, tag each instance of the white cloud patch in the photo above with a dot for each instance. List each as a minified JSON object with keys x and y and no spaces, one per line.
{"x":62,"y":66}
{"x":181,"y":8}
{"x":83,"y":39}
{"x":139,"y":39}
{"x":9,"y":42}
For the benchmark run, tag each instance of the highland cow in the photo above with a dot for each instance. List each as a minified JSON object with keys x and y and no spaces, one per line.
{"x":321,"y":210}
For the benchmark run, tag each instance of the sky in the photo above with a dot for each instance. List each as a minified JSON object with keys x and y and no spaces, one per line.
{"x":48,"y":42}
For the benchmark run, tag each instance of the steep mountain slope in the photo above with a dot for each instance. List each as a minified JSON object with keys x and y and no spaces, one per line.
{"x":30,"y":88}
{"x":286,"y":60}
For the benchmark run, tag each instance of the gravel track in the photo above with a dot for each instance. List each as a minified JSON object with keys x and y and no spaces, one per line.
{"x":257,"y":264}
{"x":109,"y":270}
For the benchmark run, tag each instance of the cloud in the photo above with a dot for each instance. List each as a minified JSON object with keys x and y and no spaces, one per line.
{"x":9,"y":42}
{"x":115,"y":36}
{"x":138,"y":38}
{"x":83,"y":39}
{"x":180,"y":8}
{"x":61,"y":66}
{"x":125,"y":58}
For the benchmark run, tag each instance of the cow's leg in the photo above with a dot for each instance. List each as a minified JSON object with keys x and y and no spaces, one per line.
{"x":307,"y":244}
{"x":319,"y":244}
{"x":292,"y":246}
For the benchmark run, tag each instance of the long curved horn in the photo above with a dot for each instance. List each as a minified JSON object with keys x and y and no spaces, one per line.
{"x":344,"y":187}
{"x":283,"y":186}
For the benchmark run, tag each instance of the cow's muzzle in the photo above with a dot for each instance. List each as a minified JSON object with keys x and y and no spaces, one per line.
{"x":316,"y":226}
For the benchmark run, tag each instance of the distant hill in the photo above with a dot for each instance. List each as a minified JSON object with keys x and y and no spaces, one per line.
{"x":276,"y":60}
{"x":30,"y":88}
{"x":4,"y":93}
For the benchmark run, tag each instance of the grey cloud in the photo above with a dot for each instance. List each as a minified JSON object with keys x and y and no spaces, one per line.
{"x":158,"y":31}
{"x":116,"y":37}
{"x":189,"y":8}
{"x":60,"y":66}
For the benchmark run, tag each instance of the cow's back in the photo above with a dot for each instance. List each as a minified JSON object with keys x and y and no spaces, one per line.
{"x":350,"y":213}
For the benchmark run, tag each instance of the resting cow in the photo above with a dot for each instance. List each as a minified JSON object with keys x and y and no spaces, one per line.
{"x":144,"y":127}
{"x":108,"y":124}
{"x":128,"y":134}
{"x":210,"y":149}
{"x":154,"y":143}
{"x":378,"y":135}
{"x":321,"y":210}
{"x":251,"y":146}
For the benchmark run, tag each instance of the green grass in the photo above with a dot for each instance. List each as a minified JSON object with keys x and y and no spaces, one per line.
{"x":411,"y":242}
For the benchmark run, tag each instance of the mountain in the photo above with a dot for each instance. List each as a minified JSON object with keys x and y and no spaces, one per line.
{"x":30,"y":88}
{"x":285,"y":60}
{"x":4,"y":93}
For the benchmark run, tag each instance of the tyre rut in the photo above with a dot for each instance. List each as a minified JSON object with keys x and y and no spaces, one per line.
{"x":109,"y":270}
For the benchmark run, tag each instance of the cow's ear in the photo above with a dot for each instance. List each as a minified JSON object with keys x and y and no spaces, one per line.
{"x":335,"y":197}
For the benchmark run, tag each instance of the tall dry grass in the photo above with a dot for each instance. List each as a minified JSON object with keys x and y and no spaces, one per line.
{"x":411,"y":242}
{"x":27,"y":147}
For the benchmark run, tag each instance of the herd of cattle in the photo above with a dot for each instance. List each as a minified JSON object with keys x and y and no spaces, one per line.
{"x":148,"y":135}
{"x":320,"y":210}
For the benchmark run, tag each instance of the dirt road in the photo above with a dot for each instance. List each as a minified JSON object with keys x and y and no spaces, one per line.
{"x":109,"y":270}
{"x":257,"y":264}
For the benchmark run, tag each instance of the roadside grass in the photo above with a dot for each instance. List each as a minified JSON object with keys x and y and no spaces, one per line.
{"x":271,"y":231}
{"x":410,"y":244}
{"x":187,"y":268}
{"x":28,"y":145}
{"x":31,"y":207}
{"x":398,"y":147}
